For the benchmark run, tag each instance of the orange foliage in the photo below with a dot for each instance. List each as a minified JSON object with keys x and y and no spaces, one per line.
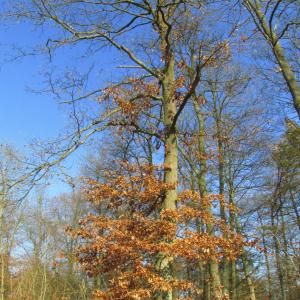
{"x":123,"y":244}
{"x":132,"y":97}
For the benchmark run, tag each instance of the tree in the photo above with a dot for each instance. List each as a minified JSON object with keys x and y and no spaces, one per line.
{"x":10,"y":194}
{"x":128,"y":243}
{"x":278,"y":22}
{"x":170,"y":58}
{"x":157,"y":83}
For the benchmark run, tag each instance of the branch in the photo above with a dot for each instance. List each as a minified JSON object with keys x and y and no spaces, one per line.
{"x":39,"y":171}
{"x":188,"y":95}
{"x":284,"y":31}
{"x":137,"y":128}
{"x":94,"y":35}
{"x":272,"y":15}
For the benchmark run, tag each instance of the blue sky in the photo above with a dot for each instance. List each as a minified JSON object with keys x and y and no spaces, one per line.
{"x":25,"y":115}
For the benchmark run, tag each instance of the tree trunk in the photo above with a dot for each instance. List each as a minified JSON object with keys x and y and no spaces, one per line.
{"x":249,"y":281}
{"x":225,"y":263}
{"x":270,"y":295}
{"x":288,"y":75}
{"x":277,"y":257}
{"x":235,"y":225}
{"x":272,"y":39}
{"x":295,"y":208}
{"x":165,"y":263}
{"x":215,"y":283}
{"x":286,"y":255}
{"x":232,"y":275}
{"x":246,"y":267}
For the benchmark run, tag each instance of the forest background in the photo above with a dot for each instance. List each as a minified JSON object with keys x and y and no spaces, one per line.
{"x":149,"y":150}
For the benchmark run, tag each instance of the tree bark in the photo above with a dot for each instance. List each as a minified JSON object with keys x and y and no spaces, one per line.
{"x":225,"y":263}
{"x":246,"y":267}
{"x":277,"y":257}
{"x":215,"y":282}
{"x":288,"y":75}
{"x":266,"y":255}
{"x":232,"y":275}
